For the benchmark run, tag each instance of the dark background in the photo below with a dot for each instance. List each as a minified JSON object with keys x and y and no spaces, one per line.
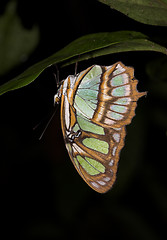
{"x":42,"y":195}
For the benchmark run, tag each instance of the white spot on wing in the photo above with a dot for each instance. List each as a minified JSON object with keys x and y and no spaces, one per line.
{"x":94,"y":184}
{"x":114,"y":150}
{"x":111,"y":163}
{"x":108,"y":121}
{"x":127,"y":90}
{"x":125,"y":77}
{"x":116,"y":137}
{"x":101,"y":183}
{"x":107,"y":179}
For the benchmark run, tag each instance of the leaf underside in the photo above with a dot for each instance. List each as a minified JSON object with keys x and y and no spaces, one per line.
{"x":153,"y":12}
{"x":88,"y":46}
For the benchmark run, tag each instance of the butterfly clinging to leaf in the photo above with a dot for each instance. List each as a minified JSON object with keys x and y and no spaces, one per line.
{"x":96,"y":105}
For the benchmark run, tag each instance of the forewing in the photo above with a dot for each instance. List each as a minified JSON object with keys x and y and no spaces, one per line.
{"x":117,"y":97}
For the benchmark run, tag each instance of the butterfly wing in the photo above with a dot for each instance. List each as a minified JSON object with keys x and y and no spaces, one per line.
{"x":117,"y":96}
{"x":93,"y":138}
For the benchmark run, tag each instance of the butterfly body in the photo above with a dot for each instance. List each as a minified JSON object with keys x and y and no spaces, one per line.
{"x":96,"y":104}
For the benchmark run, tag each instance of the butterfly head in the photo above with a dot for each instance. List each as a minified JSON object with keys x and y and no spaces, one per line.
{"x":56,"y":98}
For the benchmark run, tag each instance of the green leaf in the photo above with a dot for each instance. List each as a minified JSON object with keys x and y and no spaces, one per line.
{"x":131,"y":45}
{"x":153,"y":12}
{"x":16,"y":42}
{"x":92,"y":45}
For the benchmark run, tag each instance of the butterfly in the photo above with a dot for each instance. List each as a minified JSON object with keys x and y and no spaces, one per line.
{"x":96,"y":105}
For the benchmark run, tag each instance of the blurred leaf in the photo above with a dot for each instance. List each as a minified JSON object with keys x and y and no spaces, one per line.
{"x":157,"y":87}
{"x":157,"y":69}
{"x":16,"y":42}
{"x":133,"y":221}
{"x":159,"y":115}
{"x":153,"y":12}
{"x":157,"y":73}
{"x":156,"y":187}
{"x":92,"y":45}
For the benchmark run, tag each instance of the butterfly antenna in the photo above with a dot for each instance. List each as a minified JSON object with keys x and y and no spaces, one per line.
{"x":46,"y":126}
{"x":43,"y":132}
{"x":76,"y":66}
{"x":56,"y":75}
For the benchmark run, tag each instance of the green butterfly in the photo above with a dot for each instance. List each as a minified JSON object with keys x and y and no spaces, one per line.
{"x":96,"y":105}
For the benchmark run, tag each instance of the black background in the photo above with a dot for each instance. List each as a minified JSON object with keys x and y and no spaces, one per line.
{"x":42,"y":195}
